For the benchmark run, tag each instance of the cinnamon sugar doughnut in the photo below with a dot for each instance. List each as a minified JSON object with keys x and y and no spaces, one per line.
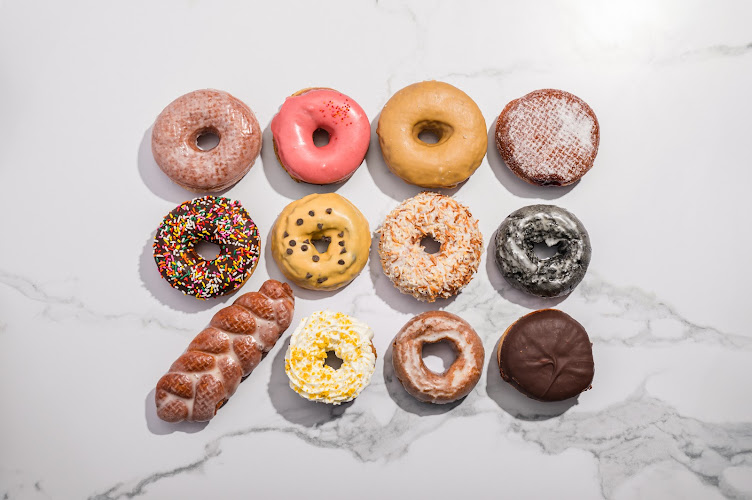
{"x":548,"y":137}
{"x":420,"y":382}
{"x":414,"y":271}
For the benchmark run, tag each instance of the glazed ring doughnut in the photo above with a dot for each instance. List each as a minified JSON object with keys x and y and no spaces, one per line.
{"x":548,"y":137}
{"x":414,"y":271}
{"x":217,"y":220}
{"x":305,"y":359}
{"x":320,"y":108}
{"x":554,"y":226}
{"x":184,"y":120}
{"x":424,"y":384}
{"x":451,"y":115}
{"x":336,"y":222}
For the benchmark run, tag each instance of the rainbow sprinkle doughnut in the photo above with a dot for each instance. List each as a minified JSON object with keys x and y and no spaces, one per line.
{"x":217,"y":220}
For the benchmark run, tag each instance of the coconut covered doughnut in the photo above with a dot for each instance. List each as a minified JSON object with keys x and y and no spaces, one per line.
{"x":548,"y":137}
{"x":178,"y":127}
{"x":420,"y":382}
{"x":305,"y":360}
{"x":337,"y":223}
{"x":447,"y":112}
{"x":556,"y":227}
{"x":414,"y":271}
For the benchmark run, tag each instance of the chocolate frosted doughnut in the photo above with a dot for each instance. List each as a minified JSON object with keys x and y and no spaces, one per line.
{"x":546,"y":355}
{"x":554,"y":226}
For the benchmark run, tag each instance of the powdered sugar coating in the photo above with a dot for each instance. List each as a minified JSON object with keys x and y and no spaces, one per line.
{"x":414,"y":271}
{"x":548,"y":137}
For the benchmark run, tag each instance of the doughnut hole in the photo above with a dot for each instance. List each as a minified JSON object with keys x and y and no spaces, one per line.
{"x":207,"y":250}
{"x":430,"y":245}
{"x":207,"y":139}
{"x":333,"y":361}
{"x":544,"y":252}
{"x":321,"y":243}
{"x":438,"y":356}
{"x":432,"y":133}
{"x":320,"y":137}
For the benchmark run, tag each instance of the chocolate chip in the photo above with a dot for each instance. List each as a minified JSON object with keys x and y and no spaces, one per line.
{"x":306,"y":241}
{"x":327,"y":239}
{"x":328,"y":210}
{"x":341,"y":262}
{"x":289,"y":251}
{"x":341,"y":243}
{"x":321,"y":280}
{"x":315,"y":258}
{"x":292,"y":243}
{"x":308,"y":275}
{"x":304,"y":247}
{"x":299,"y":222}
{"x":341,"y":234}
{"x":320,"y":226}
{"x":343,"y":250}
{"x":285,"y":235}
{"x":310,"y":212}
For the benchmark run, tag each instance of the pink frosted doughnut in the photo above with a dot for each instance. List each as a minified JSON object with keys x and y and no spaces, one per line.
{"x":184,"y":120}
{"x":318,"y":108}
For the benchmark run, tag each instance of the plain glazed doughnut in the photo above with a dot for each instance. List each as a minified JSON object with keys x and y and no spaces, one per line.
{"x":336,"y":222}
{"x":546,"y":355}
{"x":184,"y":120}
{"x":305,"y":360}
{"x":523,"y":269}
{"x":448,"y":113}
{"x":548,"y":137}
{"x":424,"y":384}
{"x":406,"y":263}
{"x":319,"y":108}
{"x":217,"y":220}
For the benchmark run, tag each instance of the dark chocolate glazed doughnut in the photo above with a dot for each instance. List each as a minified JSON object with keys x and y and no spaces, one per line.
{"x":554,"y":226}
{"x":546,"y":355}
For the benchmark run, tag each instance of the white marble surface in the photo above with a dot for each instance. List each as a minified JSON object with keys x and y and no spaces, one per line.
{"x":87,"y":326}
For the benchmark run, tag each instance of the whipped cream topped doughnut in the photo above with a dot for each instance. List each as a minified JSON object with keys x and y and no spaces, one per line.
{"x":324,"y":332}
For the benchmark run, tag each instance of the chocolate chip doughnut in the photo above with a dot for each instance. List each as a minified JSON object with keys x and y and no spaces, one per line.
{"x":546,"y":355}
{"x":554,"y":226}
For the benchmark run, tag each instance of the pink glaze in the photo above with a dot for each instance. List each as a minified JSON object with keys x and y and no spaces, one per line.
{"x":344,"y":120}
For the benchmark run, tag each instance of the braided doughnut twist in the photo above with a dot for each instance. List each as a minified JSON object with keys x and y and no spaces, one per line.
{"x":208,"y":372}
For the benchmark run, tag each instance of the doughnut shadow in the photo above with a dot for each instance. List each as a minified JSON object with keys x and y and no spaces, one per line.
{"x":293,"y":407}
{"x":159,"y":427}
{"x":514,"y":402}
{"x":278,"y":177}
{"x":507,"y":291}
{"x":156,"y":180}
{"x":514,"y":184}
{"x":405,"y":400}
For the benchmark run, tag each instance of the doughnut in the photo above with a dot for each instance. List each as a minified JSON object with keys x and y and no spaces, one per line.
{"x":451,"y":116}
{"x":548,"y":137}
{"x":305,"y":359}
{"x":424,"y":384}
{"x":184,"y":120}
{"x":320,"y":108}
{"x":335,"y":222}
{"x":414,"y":271}
{"x":217,"y":220}
{"x":554,"y":226}
{"x":204,"y":377}
{"x":546,"y":355}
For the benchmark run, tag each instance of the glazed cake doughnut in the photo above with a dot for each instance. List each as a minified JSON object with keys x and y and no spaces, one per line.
{"x":424,"y":384}
{"x":548,"y":137}
{"x":523,"y":269}
{"x":217,"y":220}
{"x":331,"y":219}
{"x":305,"y":360}
{"x":546,"y":355}
{"x":448,"y":113}
{"x":320,"y":108}
{"x":205,"y":376}
{"x":184,"y":120}
{"x":411,"y":269}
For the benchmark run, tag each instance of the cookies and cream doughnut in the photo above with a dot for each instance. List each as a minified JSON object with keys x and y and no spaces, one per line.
{"x":411,"y":269}
{"x":422,"y":383}
{"x":331,"y":219}
{"x":178,"y":127}
{"x":548,"y":137}
{"x":523,"y":269}
{"x":546,"y":355}
{"x":451,"y":115}
{"x":305,"y":359}
{"x":320,"y":108}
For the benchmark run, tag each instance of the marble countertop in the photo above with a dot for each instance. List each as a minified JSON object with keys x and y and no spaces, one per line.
{"x":87,"y":326}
